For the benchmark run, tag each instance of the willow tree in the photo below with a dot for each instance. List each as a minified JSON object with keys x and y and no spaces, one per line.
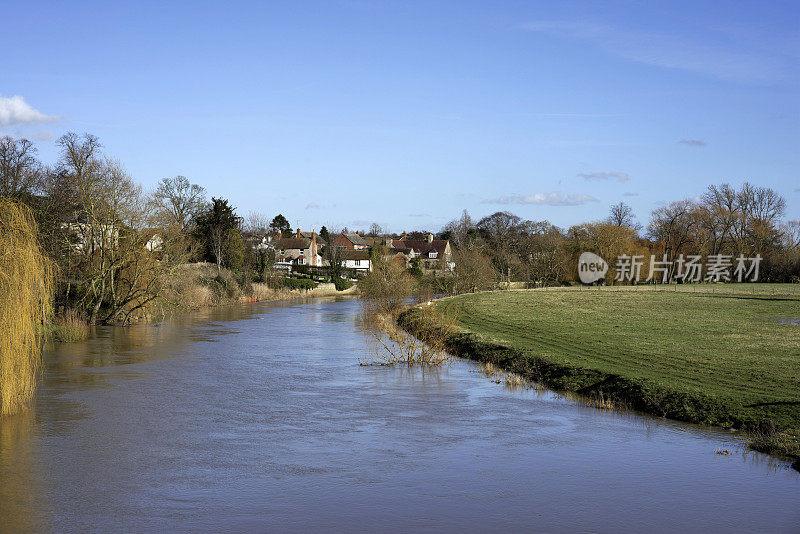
{"x":26,"y":288}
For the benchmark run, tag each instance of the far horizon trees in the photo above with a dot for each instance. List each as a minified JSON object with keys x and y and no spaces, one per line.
{"x":622,"y":215}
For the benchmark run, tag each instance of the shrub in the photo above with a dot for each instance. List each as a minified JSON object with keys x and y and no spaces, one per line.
{"x":299,"y":283}
{"x":341,"y":284}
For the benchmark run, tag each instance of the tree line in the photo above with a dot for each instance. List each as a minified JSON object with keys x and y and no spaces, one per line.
{"x":722,"y":221}
{"x":115,"y":246}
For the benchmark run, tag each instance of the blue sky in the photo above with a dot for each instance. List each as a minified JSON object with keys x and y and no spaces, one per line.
{"x":405,"y":113}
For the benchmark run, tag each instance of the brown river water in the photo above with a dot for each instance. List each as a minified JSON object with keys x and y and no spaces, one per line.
{"x":259,"y":418}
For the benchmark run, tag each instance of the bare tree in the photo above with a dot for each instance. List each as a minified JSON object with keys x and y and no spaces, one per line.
{"x":217,"y":243}
{"x":179,"y":201}
{"x":19,"y":168}
{"x":257,"y":223}
{"x":117,"y":276}
{"x":375,"y":230}
{"x":673,"y":227}
{"x":622,"y":215}
{"x":460,"y":230}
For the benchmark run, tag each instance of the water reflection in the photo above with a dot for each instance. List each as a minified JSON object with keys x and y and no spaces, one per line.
{"x":20,"y":487}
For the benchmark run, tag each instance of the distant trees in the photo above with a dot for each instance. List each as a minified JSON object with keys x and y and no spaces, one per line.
{"x":375,"y":230}
{"x":724,"y":220}
{"x":258,"y":223}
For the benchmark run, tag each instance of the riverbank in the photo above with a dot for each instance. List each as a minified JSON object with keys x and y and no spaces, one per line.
{"x":192,"y":287}
{"x":203,"y":285}
{"x":717,"y":358}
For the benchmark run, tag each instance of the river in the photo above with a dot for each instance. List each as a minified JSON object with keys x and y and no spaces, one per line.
{"x":259,"y":418}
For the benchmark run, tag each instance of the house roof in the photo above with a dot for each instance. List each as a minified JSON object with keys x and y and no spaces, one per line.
{"x":421,"y":246}
{"x":354,"y":254}
{"x":311,"y":235}
{"x":285,"y":243}
{"x":355,"y":239}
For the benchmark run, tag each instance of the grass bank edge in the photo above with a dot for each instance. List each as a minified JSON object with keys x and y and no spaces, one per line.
{"x":644,"y":395}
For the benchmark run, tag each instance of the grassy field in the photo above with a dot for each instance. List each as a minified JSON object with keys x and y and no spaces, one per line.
{"x":720,"y":355}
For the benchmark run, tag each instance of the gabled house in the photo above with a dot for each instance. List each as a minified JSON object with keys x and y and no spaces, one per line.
{"x":434,"y":254}
{"x":297,"y":250}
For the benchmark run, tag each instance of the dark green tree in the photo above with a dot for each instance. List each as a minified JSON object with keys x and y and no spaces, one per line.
{"x":281,"y":224}
{"x":215,"y":228}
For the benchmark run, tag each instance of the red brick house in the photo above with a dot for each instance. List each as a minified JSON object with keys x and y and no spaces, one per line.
{"x":351,"y":242}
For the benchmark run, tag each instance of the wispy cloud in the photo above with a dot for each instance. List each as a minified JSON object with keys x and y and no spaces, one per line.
{"x":718,"y":58}
{"x":418,"y":215}
{"x":546,"y":199}
{"x":692,"y":142}
{"x":620,"y":176}
{"x":44,"y":135}
{"x":14,"y":111}
{"x":630,"y":194}
{"x":312,"y":206}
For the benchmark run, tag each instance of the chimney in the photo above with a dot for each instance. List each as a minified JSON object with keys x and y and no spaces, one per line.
{"x":430,"y":238}
{"x":298,"y":233}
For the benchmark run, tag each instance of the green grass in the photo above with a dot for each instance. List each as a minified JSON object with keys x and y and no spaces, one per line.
{"x":707,"y":354}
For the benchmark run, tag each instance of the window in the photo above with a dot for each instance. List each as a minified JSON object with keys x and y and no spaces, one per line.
{"x":433,"y":254}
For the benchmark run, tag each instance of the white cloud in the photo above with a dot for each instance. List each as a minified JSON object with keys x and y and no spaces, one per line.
{"x":14,"y":111}
{"x":629,"y":194}
{"x":621,"y":176}
{"x":546,"y":199}
{"x":312,"y":206}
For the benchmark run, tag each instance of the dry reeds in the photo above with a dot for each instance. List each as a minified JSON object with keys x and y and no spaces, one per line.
{"x":70,"y":327}
{"x":388,"y":344}
{"x":26,"y":288}
{"x":601,"y":402}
